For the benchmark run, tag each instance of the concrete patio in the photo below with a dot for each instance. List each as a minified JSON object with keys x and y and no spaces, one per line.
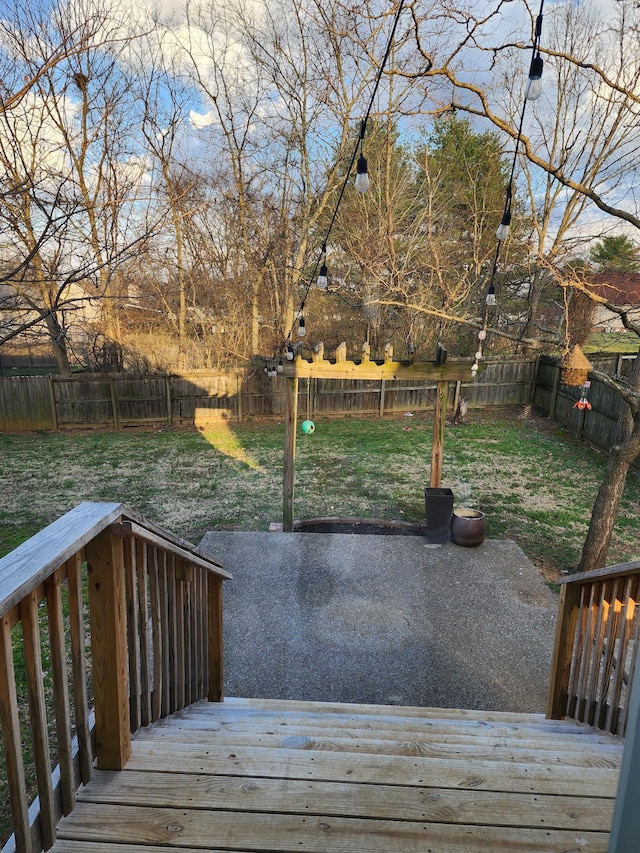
{"x":384,"y":620}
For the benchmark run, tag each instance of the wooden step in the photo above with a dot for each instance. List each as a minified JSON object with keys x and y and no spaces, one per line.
{"x":262,"y":775}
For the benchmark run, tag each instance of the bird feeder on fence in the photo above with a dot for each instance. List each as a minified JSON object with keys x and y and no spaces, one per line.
{"x":574,"y":367}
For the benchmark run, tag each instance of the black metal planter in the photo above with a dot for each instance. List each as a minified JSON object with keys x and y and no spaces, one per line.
{"x":438,"y":509}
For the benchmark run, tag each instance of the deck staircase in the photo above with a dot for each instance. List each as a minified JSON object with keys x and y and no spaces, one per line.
{"x":146,"y":757}
{"x":261,"y":775}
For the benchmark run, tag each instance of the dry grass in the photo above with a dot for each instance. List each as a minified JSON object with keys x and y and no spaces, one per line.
{"x":534,"y":482}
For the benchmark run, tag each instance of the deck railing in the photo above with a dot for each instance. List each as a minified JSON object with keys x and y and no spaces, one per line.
{"x":154,"y":646}
{"x":596,"y":647}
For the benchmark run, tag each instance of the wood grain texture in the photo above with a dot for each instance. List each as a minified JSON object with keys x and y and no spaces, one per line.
{"x":31,"y":563}
{"x":10,"y":724}
{"x":105,"y":560}
{"x":278,"y":777}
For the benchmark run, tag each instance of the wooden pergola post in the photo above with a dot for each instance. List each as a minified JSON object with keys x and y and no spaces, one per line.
{"x":291,"y":417}
{"x":439,"y":422}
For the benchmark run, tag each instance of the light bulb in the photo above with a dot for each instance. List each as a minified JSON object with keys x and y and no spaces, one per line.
{"x":491,"y":295}
{"x":302,"y":329}
{"x":503,"y":229}
{"x":362,"y":176}
{"x":534,"y":85}
{"x":323,"y":279}
{"x":290,"y":353}
{"x":280,"y":366}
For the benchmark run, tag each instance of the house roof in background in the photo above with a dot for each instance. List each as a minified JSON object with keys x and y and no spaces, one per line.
{"x":619,"y":288}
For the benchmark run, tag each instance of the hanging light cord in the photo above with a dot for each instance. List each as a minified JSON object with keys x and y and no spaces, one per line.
{"x":506,"y":215}
{"x":357,"y":148}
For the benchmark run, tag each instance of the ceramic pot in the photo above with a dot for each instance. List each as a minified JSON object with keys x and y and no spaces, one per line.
{"x":468,"y":527}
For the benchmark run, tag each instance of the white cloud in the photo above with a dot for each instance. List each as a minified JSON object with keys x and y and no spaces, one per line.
{"x":200,"y":120}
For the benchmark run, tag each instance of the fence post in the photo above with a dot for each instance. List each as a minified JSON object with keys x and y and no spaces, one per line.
{"x":167,"y":385}
{"x":107,"y":609}
{"x":534,"y":381}
{"x":114,"y":403}
{"x":382,"y":389}
{"x":52,"y":397}
{"x":239,"y":397}
{"x":554,"y":392}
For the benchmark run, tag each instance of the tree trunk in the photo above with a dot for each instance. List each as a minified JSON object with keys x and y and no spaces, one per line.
{"x":605,"y":508}
{"x":57,"y":343}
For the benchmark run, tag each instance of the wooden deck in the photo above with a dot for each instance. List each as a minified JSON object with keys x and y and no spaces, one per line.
{"x":261,"y":775}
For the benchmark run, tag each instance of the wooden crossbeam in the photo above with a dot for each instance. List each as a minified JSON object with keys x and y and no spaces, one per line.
{"x":341,"y":368}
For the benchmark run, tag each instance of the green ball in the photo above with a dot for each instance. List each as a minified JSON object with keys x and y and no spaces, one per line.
{"x":307,"y":427}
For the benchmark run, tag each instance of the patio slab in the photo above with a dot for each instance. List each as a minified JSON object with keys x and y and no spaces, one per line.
{"x":384,"y":620}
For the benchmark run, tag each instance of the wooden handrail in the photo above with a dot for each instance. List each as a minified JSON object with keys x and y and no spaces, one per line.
{"x":596,"y":645}
{"x":155,"y":605}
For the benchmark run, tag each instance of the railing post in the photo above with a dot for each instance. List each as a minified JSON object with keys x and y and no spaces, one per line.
{"x":105,"y":561}
{"x":625,"y":828}
{"x":563,"y":651}
{"x":214,"y":638}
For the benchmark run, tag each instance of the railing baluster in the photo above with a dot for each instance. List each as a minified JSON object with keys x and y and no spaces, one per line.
{"x":133,"y":632}
{"x":157,"y":642}
{"x":164,"y":634}
{"x":624,"y":712}
{"x":571,"y":639}
{"x":79,"y":665}
{"x":204,"y":627}
{"x":622,"y":638}
{"x":584,"y":654}
{"x":613,"y":620}
{"x":61,"y":691}
{"x":596,"y":651}
{"x":143,"y":626}
{"x":172,"y":622}
{"x":180,"y":634}
{"x":11,"y":740}
{"x":38,"y":711}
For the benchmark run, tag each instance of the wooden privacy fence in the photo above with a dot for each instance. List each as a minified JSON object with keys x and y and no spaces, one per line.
{"x":155,"y":606}
{"x":114,"y":401}
{"x":596,"y":425}
{"x":596,"y":644}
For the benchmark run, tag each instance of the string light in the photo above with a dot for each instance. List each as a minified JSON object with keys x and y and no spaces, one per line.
{"x":532,"y":93}
{"x":323,"y":277}
{"x":320,"y":271}
{"x":534,"y":86}
{"x":362,"y":168}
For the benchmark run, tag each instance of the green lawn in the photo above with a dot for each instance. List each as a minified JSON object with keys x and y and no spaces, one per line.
{"x":533,"y":481}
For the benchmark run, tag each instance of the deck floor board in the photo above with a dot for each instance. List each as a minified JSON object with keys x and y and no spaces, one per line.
{"x":248,"y":777}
